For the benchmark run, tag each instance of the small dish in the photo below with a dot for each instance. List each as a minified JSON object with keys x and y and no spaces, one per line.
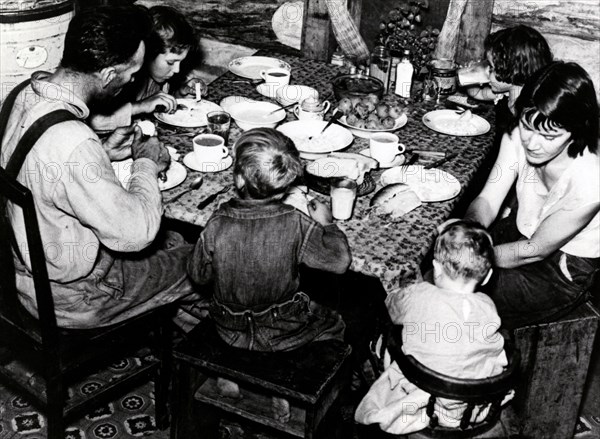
{"x":176,"y":174}
{"x":398,"y":160}
{"x":190,"y":161}
{"x":268,"y":90}
{"x":250,"y":66}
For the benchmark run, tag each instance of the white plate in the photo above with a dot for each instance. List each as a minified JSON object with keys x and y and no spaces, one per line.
{"x":229,"y":101}
{"x":190,"y":161}
{"x":448,"y":122}
{"x":430,"y":185}
{"x":398,"y":160}
{"x":333,"y":139}
{"x":175,"y":174}
{"x":367,"y":134}
{"x":192,"y":117}
{"x":251,"y":66}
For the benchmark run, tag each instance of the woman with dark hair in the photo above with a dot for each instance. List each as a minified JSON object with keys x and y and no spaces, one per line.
{"x":171,"y":42}
{"x":548,"y":249}
{"x":513,"y":55}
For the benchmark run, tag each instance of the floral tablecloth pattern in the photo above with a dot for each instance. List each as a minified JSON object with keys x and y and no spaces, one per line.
{"x":391,"y":251}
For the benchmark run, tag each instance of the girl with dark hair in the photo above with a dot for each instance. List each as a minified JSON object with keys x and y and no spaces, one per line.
{"x":513,"y":55}
{"x":170,"y":43}
{"x":548,"y":249}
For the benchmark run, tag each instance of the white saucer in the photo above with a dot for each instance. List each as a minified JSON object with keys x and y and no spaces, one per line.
{"x":267,"y":89}
{"x":398,"y":160}
{"x":190,"y":161}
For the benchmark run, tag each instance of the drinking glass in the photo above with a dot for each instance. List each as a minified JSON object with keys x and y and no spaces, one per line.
{"x":343,"y":194}
{"x":219,"y":123}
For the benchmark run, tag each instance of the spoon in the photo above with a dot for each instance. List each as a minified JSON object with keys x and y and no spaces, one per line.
{"x":195,"y":184}
{"x":333,"y":119}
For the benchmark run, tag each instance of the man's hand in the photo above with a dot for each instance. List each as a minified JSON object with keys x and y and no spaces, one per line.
{"x":188,"y":89}
{"x":320,"y":212}
{"x":151,"y":149}
{"x":148,"y":105}
{"x":118,"y":144}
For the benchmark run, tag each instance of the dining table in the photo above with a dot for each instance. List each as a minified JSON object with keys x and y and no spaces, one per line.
{"x":390,"y":249}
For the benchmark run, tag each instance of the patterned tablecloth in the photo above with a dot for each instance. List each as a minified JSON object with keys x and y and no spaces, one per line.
{"x":391,"y":251}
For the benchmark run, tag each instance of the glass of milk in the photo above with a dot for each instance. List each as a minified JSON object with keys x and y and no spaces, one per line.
{"x":343,"y":194}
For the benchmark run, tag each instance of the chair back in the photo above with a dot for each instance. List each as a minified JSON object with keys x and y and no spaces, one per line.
{"x":11,"y":311}
{"x":473,"y":392}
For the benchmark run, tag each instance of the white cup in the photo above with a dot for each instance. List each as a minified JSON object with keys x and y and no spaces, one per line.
{"x":209,"y":148}
{"x":385,"y":147}
{"x":276,"y":76}
{"x":306,"y":114}
{"x":343,"y":194}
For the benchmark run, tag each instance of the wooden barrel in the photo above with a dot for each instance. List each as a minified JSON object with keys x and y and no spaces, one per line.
{"x":33,"y":34}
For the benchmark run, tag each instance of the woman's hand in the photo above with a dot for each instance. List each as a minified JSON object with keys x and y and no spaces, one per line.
{"x":320,"y":212}
{"x":188,"y":89}
{"x":118,"y":144}
{"x":149,"y":104}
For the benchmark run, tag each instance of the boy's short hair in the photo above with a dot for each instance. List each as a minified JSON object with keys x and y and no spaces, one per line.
{"x":465,"y":249}
{"x":268,"y":162}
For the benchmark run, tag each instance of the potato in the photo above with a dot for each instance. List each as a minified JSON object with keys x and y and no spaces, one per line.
{"x":361,"y":111}
{"x":373,"y":117}
{"x":351,"y":119}
{"x":368,"y":103}
{"x":373,"y":98}
{"x":345,"y":105}
{"x":373,"y":125}
{"x":355,"y":101}
{"x":360,"y":124}
{"x":388,"y":122}
{"x":383,"y":110}
{"x":396,"y":111}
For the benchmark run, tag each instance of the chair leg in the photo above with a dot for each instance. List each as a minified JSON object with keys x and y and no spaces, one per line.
{"x":54,"y":412}
{"x":163,"y":379}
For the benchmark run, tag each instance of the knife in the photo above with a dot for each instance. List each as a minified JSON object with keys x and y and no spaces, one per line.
{"x":202,"y":204}
{"x":441,"y":161}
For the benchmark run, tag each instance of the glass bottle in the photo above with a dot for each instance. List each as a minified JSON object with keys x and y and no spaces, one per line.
{"x":395,"y":55}
{"x":404,"y":76}
{"x":380,"y":65}
{"x":337,"y":58}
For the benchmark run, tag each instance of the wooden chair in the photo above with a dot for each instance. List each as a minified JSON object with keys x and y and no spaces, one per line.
{"x":58,"y":356}
{"x":310,"y":378}
{"x":471,"y":391}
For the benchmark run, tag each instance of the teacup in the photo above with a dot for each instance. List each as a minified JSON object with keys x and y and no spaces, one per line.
{"x":209,"y":148}
{"x":385,"y":147}
{"x":276,"y":76}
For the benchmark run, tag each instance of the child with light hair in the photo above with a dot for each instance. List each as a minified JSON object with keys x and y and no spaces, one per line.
{"x":251,"y":250}
{"x":448,"y":327}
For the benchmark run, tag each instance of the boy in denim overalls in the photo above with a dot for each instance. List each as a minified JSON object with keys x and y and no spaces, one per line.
{"x":251,"y":249}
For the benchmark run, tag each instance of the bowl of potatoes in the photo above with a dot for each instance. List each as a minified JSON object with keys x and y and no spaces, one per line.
{"x":368,"y":115}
